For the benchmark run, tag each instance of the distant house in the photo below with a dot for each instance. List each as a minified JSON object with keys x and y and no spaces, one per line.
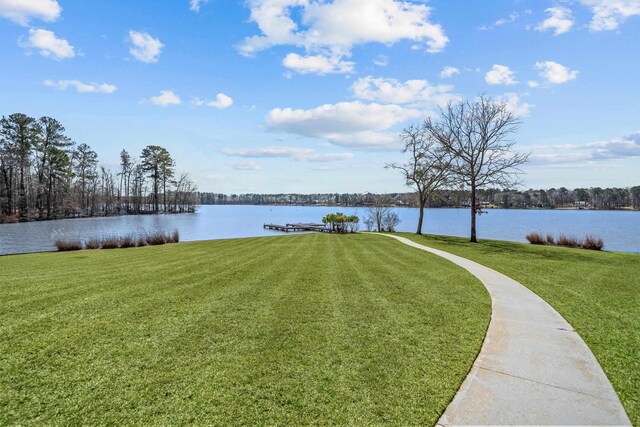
{"x":582,"y":205}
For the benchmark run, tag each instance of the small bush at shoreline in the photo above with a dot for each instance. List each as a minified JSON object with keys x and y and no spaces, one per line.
{"x":590,"y":242}
{"x":111,"y":242}
{"x":535,"y":238}
{"x":127,"y":242}
{"x":92,"y":244}
{"x":568,"y":241}
{"x":115,"y":242}
{"x":593,"y":243}
{"x":68,"y":245}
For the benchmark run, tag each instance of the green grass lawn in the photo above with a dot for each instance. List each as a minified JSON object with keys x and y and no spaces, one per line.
{"x":306,"y":329}
{"x":597,"y":292}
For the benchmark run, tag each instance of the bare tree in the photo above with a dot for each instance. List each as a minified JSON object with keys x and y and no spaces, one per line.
{"x":428,"y":168}
{"x":477,"y":135}
{"x":390,"y":221}
{"x":377,"y":211}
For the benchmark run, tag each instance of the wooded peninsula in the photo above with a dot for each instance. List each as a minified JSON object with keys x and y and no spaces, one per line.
{"x":44,"y":174}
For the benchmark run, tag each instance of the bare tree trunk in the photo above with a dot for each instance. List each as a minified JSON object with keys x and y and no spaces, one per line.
{"x":50,"y":189}
{"x":22,"y":195}
{"x":423,"y":202}
{"x":473,"y":214}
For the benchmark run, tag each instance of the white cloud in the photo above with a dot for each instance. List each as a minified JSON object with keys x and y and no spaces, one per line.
{"x":392,"y":91}
{"x":48,"y":44}
{"x":22,"y":11}
{"x":368,"y":141}
{"x":80,"y":86}
{"x":610,"y":14}
{"x":296,"y":153}
{"x":613,"y":149}
{"x":512,"y":17}
{"x":249,"y":165}
{"x":502,"y":21}
{"x":617,"y":148}
{"x":195,"y":4}
{"x":222,"y":101}
{"x":328,"y":157}
{"x":268,"y":152}
{"x":500,"y":75}
{"x":332,"y":29}
{"x":343,"y":117}
{"x":317,"y":64}
{"x":515,"y":104}
{"x":555,"y":73}
{"x":560,"y":20}
{"x":145,"y":47}
{"x":166,"y":98}
{"x":449,"y":71}
{"x":351,"y":124}
{"x":381,"y":61}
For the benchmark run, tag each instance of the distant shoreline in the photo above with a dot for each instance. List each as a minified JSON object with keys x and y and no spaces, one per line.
{"x":327,"y":205}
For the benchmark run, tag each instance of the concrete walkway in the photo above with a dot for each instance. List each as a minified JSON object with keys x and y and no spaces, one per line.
{"x":533,"y":368}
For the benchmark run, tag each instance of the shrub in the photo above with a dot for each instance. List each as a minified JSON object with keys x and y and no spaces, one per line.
{"x":568,"y":241}
{"x":112,"y":242}
{"x":341,"y":223}
{"x":535,"y":238}
{"x":68,"y":245}
{"x":127,"y":242}
{"x":593,"y":243}
{"x":174,"y":237}
{"x":141,"y":241}
{"x":157,"y":238}
{"x":589,"y":242}
{"x":390,"y":221}
{"x":92,"y":244}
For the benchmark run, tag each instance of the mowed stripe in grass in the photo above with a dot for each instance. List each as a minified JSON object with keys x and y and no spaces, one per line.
{"x":285,"y":330}
{"x":597,"y":292}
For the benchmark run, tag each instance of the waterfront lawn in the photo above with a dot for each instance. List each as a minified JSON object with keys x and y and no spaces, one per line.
{"x":597,"y":292}
{"x":292,"y":330}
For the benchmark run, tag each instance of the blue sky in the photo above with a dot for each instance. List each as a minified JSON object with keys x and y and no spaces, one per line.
{"x":309,"y":95}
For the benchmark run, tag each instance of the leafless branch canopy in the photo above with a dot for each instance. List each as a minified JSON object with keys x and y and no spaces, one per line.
{"x":478,"y":135}
{"x":428,"y":166}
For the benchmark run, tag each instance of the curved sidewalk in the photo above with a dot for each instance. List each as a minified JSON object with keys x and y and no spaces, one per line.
{"x":533,"y":368}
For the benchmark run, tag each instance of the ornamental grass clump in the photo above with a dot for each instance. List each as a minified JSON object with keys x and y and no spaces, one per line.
{"x":93,"y":243}
{"x":127,"y":242}
{"x":156,"y":238}
{"x":590,"y":242}
{"x":115,"y":242}
{"x":593,"y":243}
{"x":112,"y":242}
{"x":536,"y":238}
{"x":568,"y":241}
{"x":68,"y":245}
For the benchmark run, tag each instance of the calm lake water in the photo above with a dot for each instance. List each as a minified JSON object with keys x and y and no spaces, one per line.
{"x":620,"y":230}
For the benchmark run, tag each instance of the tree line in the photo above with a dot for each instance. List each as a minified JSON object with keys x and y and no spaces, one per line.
{"x":610,"y":198}
{"x":44,"y":174}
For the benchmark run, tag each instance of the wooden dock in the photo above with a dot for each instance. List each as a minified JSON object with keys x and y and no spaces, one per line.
{"x":299,"y":227}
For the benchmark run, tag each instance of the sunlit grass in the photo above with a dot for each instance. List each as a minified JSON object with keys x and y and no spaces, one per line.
{"x":294,"y":330}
